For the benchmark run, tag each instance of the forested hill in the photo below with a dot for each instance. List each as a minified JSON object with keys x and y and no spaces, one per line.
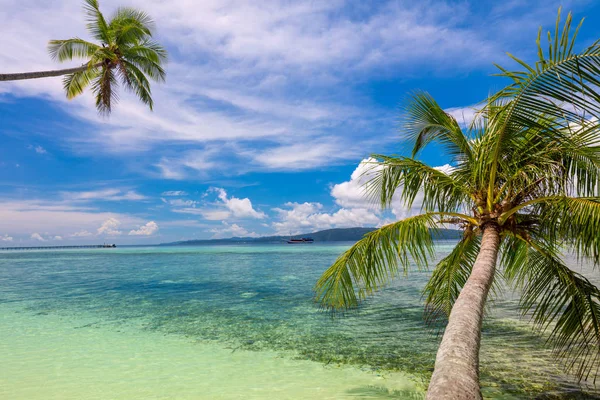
{"x":328,"y":235}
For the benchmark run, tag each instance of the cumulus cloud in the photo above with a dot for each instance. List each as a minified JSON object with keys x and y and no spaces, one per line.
{"x":297,"y":218}
{"x":110,"y":227}
{"x":37,"y":236}
{"x":6,"y":238}
{"x":231,"y":230}
{"x":225,"y":207}
{"x":355,"y":208}
{"x":239,"y":208}
{"x":351,"y":194}
{"x":145,"y":230}
{"x":62,"y":217}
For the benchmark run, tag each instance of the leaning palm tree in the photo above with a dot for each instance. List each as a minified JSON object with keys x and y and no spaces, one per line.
{"x":524,"y":187}
{"x":126,"y":52}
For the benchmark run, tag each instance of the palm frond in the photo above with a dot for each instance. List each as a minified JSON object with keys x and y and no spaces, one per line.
{"x":449,"y":277}
{"x":128,"y":15}
{"x":66,"y":50}
{"x":561,"y":84}
{"x":147,"y":49}
{"x":74,"y":84}
{"x":375,"y":260}
{"x":131,"y":26}
{"x":148,"y":62}
{"x":136,"y":81}
{"x":104,"y":89}
{"x":560,"y":300}
{"x":440,"y":191}
{"x":575,"y":222}
{"x":425,"y":121}
{"x":97,"y":25}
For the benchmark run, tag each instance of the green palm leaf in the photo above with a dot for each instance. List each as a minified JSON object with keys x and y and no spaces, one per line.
{"x":524,"y":183}
{"x":576,"y":222}
{"x":66,"y":50}
{"x":449,"y":277}
{"x":126,"y":51}
{"x":97,"y":25}
{"x":441,"y":191}
{"x":74,"y":84}
{"x":425,"y":121}
{"x":376,"y":259}
{"x":103,"y":89}
{"x":560,"y":300}
{"x":136,"y":81}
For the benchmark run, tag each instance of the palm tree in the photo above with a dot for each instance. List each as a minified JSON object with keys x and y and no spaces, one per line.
{"x":524,"y":186}
{"x":125,"y":52}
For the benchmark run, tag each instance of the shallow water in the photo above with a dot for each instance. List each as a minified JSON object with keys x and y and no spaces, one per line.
{"x":231,"y":322}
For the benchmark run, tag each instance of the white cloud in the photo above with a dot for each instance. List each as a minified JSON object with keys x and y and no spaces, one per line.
{"x":224,"y":208}
{"x":109,"y":227}
{"x":301,"y":156}
{"x":6,"y":238}
{"x":38,"y":149}
{"x":213,"y":215}
{"x":174,"y":193}
{"x":249,"y":59}
{"x":356,"y":209}
{"x":464,"y":115}
{"x":37,"y":236}
{"x":104,"y":195}
{"x":145,"y":230}
{"x":231,"y":230}
{"x":305,"y":217}
{"x":239,"y":208}
{"x":351,"y":194}
{"x":57,"y":237}
{"x":181,"y":202}
{"x":81,"y":234}
{"x":21,"y":217}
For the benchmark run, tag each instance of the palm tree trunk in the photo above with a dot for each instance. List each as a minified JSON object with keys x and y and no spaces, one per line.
{"x":42,"y":74}
{"x":456,"y":373}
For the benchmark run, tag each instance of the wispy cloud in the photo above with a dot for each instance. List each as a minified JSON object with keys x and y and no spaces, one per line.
{"x":38,"y":149}
{"x":253,"y":71}
{"x":174,"y":193}
{"x":104,"y":195}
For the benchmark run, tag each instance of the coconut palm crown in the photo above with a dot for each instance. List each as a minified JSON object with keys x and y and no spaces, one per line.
{"x":124,"y":53}
{"x":524,"y":188}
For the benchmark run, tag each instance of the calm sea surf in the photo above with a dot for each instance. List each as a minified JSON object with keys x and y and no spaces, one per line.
{"x":234,"y":322}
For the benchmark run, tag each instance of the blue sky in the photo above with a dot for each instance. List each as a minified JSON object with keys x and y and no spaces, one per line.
{"x":268,"y":109}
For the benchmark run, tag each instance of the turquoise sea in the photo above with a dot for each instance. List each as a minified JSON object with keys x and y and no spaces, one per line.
{"x":234,"y":322}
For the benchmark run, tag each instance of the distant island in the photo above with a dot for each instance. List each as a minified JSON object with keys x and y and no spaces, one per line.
{"x":328,"y":235}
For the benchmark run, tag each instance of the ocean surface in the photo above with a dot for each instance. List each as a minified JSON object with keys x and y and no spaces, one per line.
{"x":234,"y":322}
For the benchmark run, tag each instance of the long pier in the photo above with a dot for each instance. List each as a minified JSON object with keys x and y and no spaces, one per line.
{"x":89,"y":246}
